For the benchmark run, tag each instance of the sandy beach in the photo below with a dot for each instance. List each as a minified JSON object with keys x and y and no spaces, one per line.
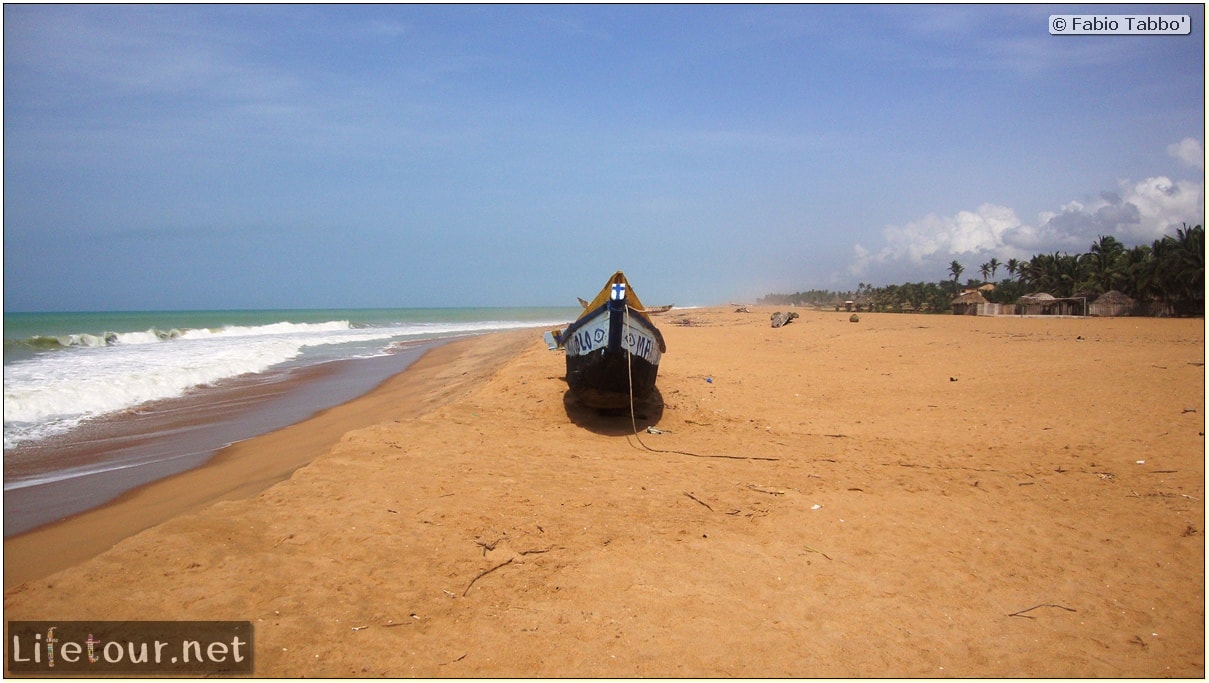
{"x":907,"y":495}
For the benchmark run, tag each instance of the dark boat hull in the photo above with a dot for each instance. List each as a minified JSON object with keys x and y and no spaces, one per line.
{"x":613,"y":355}
{"x":602,"y":379}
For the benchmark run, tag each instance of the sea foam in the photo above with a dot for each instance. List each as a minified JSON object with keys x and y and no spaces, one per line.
{"x":54,"y":392}
{"x":96,"y":375}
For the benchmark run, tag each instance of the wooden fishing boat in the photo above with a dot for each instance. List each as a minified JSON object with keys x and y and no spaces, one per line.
{"x":613,"y":349}
{"x":650,"y":310}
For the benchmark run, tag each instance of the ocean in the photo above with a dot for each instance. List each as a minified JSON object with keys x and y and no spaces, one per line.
{"x":97,"y":403}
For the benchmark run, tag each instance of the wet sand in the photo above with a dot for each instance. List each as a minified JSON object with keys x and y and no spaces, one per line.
{"x":237,"y":471}
{"x":106,"y":457}
{"x":908,"y":495}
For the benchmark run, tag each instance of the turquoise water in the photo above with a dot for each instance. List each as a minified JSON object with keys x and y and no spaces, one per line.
{"x":28,"y":333}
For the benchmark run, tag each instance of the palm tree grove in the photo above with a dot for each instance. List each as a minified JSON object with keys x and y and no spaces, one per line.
{"x":1164,"y":278}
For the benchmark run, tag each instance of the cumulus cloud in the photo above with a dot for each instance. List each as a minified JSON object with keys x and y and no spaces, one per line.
{"x":988,"y":228}
{"x":1188,"y":151}
{"x":991,"y":230}
{"x":1135,"y":212}
{"x":1138,"y":212}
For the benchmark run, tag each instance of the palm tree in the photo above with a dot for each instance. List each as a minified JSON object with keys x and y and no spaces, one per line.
{"x":955,"y":269}
{"x":1058,"y":274}
{"x":1013,"y":266}
{"x":1191,"y":262}
{"x":1179,"y":270}
{"x":1103,"y":264}
{"x":1134,"y":264}
{"x":1034,"y":272}
{"x":1158,"y":272}
{"x":1170,"y":271}
{"x":1069,"y":274}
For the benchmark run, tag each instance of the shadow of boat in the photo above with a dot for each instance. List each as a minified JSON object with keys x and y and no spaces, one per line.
{"x":615,"y":422}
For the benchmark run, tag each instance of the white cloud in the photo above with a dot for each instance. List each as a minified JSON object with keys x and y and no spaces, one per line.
{"x":862,"y":258}
{"x":1188,"y":151}
{"x":1165,"y":205}
{"x":991,"y":229}
{"x":1138,"y":213}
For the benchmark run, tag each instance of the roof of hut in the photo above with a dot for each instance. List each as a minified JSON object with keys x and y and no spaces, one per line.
{"x":970,"y":298}
{"x":1113,"y":296}
{"x":1037,"y":298}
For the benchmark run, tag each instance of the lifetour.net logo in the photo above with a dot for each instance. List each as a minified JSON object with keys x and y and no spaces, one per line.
{"x":129,"y":647}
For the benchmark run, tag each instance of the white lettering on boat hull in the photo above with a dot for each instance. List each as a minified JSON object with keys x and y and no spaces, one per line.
{"x":594,"y":335}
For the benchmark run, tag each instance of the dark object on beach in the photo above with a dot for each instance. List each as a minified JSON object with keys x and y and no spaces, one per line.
{"x":854,"y":318}
{"x":613,"y":349}
{"x":779,"y":318}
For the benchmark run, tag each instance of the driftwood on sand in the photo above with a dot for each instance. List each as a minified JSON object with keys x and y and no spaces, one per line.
{"x":779,"y":318}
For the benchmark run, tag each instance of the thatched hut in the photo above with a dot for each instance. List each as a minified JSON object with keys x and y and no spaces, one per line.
{"x":967,"y":304}
{"x":1112,"y":304}
{"x":1043,"y":303}
{"x":1040,"y":303}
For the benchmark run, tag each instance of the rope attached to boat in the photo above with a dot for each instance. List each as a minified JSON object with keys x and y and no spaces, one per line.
{"x":634,"y":416}
{"x":629,"y":372}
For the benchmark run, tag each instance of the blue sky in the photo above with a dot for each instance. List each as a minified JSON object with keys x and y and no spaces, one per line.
{"x":240,"y":156}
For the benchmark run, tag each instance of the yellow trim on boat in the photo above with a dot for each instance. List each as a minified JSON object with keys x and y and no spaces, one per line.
{"x":631,"y":298}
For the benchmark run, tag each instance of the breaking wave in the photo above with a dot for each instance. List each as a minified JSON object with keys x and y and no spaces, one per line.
{"x":76,"y":377}
{"x":95,"y":374}
{"x":153,"y":335}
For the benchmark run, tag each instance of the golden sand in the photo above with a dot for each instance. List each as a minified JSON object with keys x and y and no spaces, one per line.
{"x":908,"y":495}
